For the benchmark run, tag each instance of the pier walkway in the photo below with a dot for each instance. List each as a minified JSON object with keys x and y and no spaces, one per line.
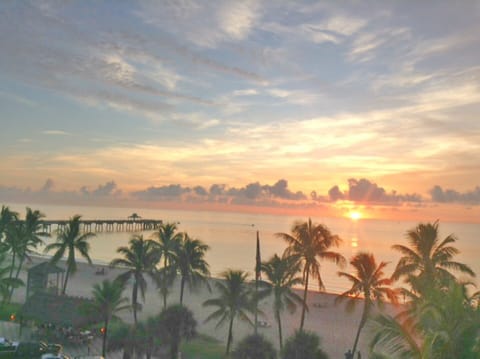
{"x":104,"y":225}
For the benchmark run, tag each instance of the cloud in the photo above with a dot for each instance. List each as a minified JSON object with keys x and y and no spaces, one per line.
{"x":202,"y":23}
{"x":365,"y":191}
{"x":47,"y":187}
{"x":55,"y":133}
{"x":438,"y":194}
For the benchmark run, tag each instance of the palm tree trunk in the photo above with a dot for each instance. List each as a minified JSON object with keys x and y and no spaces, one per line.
{"x":182,"y":285}
{"x":174,"y":349}
{"x":16,"y":277}
{"x":64,"y":289}
{"x":12,"y":266}
{"x":279,"y":321}
{"x":363,"y":320}
{"x":302,"y":320}
{"x":104,"y":339}
{"x":230,"y":336}
{"x":134,"y":301}
{"x":164,"y":299}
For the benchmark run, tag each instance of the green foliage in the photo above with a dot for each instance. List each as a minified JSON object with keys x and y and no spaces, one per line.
{"x":444,"y":324}
{"x":254,"y":347}
{"x":303,"y":345}
{"x":174,"y":324}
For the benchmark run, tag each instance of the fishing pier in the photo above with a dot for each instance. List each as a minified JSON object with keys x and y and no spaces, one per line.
{"x":104,"y":225}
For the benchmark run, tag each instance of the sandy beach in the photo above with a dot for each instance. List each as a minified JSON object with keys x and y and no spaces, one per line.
{"x":331,"y":322}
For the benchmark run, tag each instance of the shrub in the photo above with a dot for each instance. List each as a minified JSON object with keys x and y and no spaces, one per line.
{"x":254,"y":347}
{"x":303,"y":345}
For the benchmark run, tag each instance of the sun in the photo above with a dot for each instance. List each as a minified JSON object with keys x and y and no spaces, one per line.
{"x":355,"y":216}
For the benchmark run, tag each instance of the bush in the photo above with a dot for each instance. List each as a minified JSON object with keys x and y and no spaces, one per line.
{"x":254,"y":347}
{"x":303,"y":345}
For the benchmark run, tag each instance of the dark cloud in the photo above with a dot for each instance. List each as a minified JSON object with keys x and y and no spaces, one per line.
{"x":335,"y":194}
{"x":199,"y":190}
{"x":363,"y":190}
{"x":48,"y":185}
{"x":217,"y":189}
{"x":438,"y":194}
{"x":103,"y":190}
{"x":280,"y":190}
{"x":161,"y":193}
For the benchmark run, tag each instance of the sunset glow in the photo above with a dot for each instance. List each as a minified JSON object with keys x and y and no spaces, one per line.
{"x":275,"y":107}
{"x":355,"y":216}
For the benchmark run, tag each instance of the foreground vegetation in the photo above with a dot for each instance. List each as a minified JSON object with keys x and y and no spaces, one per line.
{"x":441,"y":319}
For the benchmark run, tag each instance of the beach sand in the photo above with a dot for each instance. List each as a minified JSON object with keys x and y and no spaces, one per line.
{"x":331,"y":322}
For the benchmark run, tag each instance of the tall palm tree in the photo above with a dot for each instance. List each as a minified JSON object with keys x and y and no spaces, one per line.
{"x":27,"y":235}
{"x":281,"y":274}
{"x":168,"y":242}
{"x":140,"y":258}
{"x":310,"y":243}
{"x":369,"y":282}
{"x":191,"y":263}
{"x":107,"y":302}
{"x":69,"y":241}
{"x":428,"y":259}
{"x":234,"y":300}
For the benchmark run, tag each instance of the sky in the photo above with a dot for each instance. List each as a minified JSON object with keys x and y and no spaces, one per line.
{"x":315,"y":107}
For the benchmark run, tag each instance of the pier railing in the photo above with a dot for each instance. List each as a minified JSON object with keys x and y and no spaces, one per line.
{"x":104,"y":225}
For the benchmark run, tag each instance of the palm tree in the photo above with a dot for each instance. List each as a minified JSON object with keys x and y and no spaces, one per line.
{"x":107,"y":302}
{"x":428,"y":260}
{"x":303,"y":345}
{"x":442,"y":325}
{"x":175,"y":323}
{"x":234,"y":300}
{"x":310,"y":243}
{"x":7,"y":217}
{"x":70,"y":240}
{"x":254,"y":346}
{"x":369,"y":282}
{"x":6,"y":282}
{"x":191,"y":263}
{"x":168,"y":242}
{"x":281,"y":274}
{"x":27,"y":234}
{"x":139,"y":257}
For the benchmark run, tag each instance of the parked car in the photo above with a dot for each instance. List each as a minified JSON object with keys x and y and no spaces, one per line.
{"x":28,"y":350}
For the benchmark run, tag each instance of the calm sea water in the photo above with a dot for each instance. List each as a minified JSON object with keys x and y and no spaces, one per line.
{"x":232,"y":236}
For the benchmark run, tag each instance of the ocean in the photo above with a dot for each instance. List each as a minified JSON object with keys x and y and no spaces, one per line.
{"x":232,"y":236}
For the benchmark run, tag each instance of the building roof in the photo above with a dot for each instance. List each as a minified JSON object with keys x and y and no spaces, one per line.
{"x":46,"y":268}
